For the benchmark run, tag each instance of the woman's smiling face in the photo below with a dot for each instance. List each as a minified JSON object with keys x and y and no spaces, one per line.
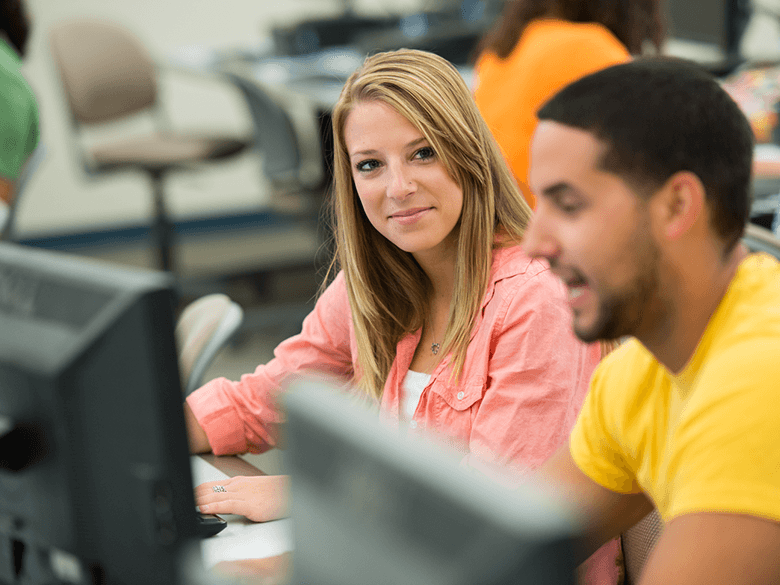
{"x":405,"y":190}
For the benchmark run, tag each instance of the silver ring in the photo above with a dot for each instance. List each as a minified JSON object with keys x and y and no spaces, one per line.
{"x":219,"y":488}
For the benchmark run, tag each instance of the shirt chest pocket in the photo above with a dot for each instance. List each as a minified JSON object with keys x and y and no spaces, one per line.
{"x":449,"y":412}
{"x":458,"y":398}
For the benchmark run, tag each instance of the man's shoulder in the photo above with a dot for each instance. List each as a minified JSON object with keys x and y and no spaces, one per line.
{"x":758,"y":282}
{"x":749,"y":320}
{"x":11,"y":79}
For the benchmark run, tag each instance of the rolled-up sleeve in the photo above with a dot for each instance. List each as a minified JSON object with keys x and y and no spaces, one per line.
{"x":244,"y":416}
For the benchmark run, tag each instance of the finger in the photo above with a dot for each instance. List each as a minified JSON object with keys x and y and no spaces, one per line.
{"x":212,"y":497}
{"x":222,"y":507}
{"x":209,"y":487}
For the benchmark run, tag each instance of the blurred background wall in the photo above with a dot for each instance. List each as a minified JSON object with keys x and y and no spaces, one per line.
{"x":61,"y":199}
{"x":63,"y":204}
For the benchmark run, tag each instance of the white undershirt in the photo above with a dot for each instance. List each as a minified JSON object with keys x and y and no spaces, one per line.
{"x":414,"y":384}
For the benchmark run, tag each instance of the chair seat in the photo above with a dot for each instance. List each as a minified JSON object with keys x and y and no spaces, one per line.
{"x":163,"y":151}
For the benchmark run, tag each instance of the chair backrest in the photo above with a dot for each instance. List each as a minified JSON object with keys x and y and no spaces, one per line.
{"x":638,"y":542}
{"x":203,"y":328}
{"x":286,"y":133}
{"x":274,"y":134}
{"x":760,"y":239}
{"x":105,"y":71}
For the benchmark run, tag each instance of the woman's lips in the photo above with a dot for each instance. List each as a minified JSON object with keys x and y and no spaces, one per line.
{"x":410,"y":216}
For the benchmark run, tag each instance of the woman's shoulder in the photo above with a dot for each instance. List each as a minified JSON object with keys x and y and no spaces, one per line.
{"x":513,"y":268}
{"x":512,"y":260}
{"x":550,"y":30}
{"x":335,"y":293}
{"x":557,"y":41}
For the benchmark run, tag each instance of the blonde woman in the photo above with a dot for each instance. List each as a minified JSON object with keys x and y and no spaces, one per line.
{"x":435,"y":313}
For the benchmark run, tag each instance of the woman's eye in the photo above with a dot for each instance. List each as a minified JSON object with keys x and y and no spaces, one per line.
{"x":365,"y":166}
{"x":425,"y":153}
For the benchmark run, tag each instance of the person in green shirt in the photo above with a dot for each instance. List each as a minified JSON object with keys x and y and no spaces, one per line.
{"x":18,"y":108}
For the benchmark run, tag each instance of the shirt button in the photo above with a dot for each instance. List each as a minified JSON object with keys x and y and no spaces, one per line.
{"x":413,"y":424}
{"x":460,"y":395}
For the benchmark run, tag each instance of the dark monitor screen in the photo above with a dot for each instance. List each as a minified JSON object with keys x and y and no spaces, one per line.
{"x":95,"y":484}
{"x":703,"y":21}
{"x":714,"y":23}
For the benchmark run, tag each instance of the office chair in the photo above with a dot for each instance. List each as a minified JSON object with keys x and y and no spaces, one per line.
{"x":8,"y":225}
{"x":288,"y":139}
{"x":107,"y":75}
{"x":639,"y":540}
{"x":202,"y":330}
{"x":760,"y":239}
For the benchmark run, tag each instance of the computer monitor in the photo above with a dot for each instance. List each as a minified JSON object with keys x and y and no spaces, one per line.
{"x":95,"y":484}
{"x":707,"y":31}
{"x":371,"y":506}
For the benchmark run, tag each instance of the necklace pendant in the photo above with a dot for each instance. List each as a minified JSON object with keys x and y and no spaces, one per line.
{"x":435,"y":347}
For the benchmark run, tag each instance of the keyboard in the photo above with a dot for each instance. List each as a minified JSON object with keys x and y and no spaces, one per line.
{"x":209,"y":524}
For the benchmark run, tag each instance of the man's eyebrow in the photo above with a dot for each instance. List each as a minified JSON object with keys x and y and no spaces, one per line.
{"x":557,"y":189}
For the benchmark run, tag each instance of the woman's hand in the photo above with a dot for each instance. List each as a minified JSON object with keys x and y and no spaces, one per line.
{"x":260,"y":498}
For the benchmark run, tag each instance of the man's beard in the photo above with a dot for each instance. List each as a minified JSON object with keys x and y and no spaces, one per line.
{"x":620,"y":314}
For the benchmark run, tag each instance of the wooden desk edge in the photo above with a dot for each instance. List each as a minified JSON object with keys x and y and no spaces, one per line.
{"x":231,"y":465}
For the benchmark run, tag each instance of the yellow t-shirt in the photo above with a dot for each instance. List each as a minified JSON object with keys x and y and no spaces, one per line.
{"x":707,"y":439}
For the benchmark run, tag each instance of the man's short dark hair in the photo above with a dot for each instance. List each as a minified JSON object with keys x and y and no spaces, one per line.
{"x":658,"y":116}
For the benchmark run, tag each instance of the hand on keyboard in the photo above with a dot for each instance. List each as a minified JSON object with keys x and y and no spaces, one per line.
{"x":259,"y":498}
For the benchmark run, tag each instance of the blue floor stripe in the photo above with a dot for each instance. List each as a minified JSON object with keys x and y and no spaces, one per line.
{"x":128,"y":235}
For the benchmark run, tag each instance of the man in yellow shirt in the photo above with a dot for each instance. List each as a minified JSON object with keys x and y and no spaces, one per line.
{"x":642,"y":178}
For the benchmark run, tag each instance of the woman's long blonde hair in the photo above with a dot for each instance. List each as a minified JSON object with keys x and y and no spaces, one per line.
{"x":388,"y":291}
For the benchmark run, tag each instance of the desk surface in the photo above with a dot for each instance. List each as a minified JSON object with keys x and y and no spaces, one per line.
{"x":242,"y":539}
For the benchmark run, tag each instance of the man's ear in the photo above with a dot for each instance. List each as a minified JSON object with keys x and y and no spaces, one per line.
{"x":679,"y":204}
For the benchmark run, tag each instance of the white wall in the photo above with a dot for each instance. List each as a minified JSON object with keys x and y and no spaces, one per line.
{"x":61,"y":199}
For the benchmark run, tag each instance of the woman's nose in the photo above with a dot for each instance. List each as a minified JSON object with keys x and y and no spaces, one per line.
{"x":400,"y":184}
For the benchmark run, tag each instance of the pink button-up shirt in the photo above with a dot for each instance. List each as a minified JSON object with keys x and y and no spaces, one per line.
{"x":523,"y":381}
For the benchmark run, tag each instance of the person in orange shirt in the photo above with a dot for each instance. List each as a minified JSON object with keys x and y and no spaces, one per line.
{"x":539,"y":46}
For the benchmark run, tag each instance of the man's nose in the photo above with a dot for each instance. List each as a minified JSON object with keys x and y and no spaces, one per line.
{"x":538,"y":240}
